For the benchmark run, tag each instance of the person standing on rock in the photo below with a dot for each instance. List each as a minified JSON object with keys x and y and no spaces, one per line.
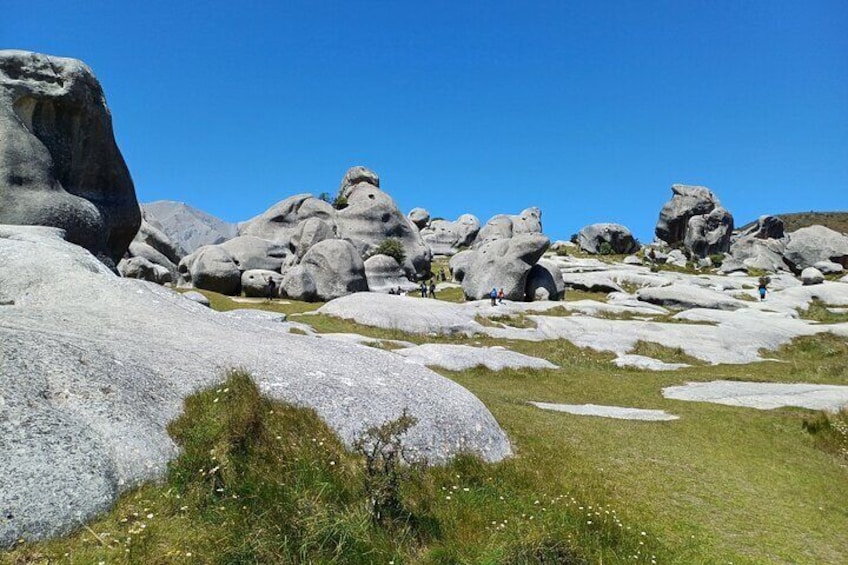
{"x":432,"y":289}
{"x":494,"y":296}
{"x":500,"y":296}
{"x":423,"y":289}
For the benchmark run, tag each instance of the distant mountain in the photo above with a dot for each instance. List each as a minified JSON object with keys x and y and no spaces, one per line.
{"x":837,"y":221}
{"x":188,"y":227}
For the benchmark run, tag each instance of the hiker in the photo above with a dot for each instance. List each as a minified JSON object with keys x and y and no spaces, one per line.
{"x":432,"y":289}
{"x":442,"y":274}
{"x":762,"y":290}
{"x":423,"y":290}
{"x":494,"y":296}
{"x":391,"y":290}
{"x":272,"y":287}
{"x":500,"y":296}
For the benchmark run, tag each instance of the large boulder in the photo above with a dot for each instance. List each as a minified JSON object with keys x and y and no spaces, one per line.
{"x":257,"y":283}
{"x":151,"y":246}
{"x":618,"y":238}
{"x":298,"y":284}
{"x":59,"y":163}
{"x":384,"y":273}
{"x":759,"y":253}
{"x":504,"y":263}
{"x":709,"y":233}
{"x":188,"y":228}
{"x":336,"y":269}
{"x":811,"y":276}
{"x":448,"y":238}
{"x":309,"y":232}
{"x":250,"y":252}
{"x":141,"y":268}
{"x":371,"y":217}
{"x":90,"y":419}
{"x":355,"y":176}
{"x":281,"y":222}
{"x":420,"y":217}
{"x":545,"y":282}
{"x":807,"y":246}
{"x":460,"y":263}
{"x":210,"y":268}
{"x":766,"y":227}
{"x":504,"y":226}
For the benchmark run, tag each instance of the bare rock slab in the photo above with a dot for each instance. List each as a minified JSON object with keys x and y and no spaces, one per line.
{"x":463,"y":357}
{"x":762,"y":396}
{"x":616,"y":412}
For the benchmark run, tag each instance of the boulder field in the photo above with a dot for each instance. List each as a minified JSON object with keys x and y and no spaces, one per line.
{"x":94,"y":366}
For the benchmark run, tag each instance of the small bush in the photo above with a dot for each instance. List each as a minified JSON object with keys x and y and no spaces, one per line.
{"x":340,"y":203}
{"x":717,"y":259}
{"x":606,"y":248}
{"x":325,"y":196}
{"x":830,"y":431}
{"x":393,"y":248}
{"x":562,"y":251}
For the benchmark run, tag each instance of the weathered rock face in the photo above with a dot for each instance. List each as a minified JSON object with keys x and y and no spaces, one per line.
{"x":807,"y":246}
{"x":281,"y":221}
{"x":460,"y":263}
{"x":383,"y":273}
{"x":310,"y":232}
{"x":504,"y":263}
{"x":188,"y":228}
{"x":447,"y":238}
{"x":357,"y":175}
{"x":257,"y":283}
{"x":505,"y":226}
{"x":710,"y":233}
{"x":250,"y":252}
{"x":758,"y":253}
{"x":59,"y":163}
{"x":619,"y":239}
{"x":420,"y":217}
{"x":767,"y":227}
{"x":141,"y":268}
{"x":298,"y":284}
{"x":545,"y":282}
{"x":66,"y":456}
{"x":150,"y":247}
{"x":336,"y":269}
{"x":210,"y":268}
{"x":371,"y":217}
{"x":811,"y":276}
{"x":695,"y":217}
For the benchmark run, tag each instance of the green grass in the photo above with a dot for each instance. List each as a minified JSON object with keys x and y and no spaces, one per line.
{"x":819,"y":312}
{"x":664,"y":353}
{"x":721,"y":484}
{"x":224,"y":303}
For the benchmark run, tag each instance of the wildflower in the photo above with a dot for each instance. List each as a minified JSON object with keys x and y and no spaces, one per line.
{"x":150,"y":516}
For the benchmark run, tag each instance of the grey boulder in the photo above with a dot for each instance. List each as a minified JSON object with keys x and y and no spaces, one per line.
{"x":90,"y":419}
{"x":355,"y":176}
{"x":420,"y":217}
{"x":504,"y":226}
{"x":829,"y":267}
{"x":811,"y":276}
{"x":371,"y":217}
{"x":211,"y":268}
{"x":250,"y":252}
{"x":281,"y":222}
{"x":59,"y":163}
{"x":545,"y":282}
{"x":504,"y":263}
{"x":383,"y":273}
{"x":448,"y":238}
{"x":807,"y":246}
{"x":460,"y":263}
{"x":336,"y":269}
{"x":141,"y":268}
{"x":256,"y":283}
{"x":619,"y":239}
{"x":711,"y":229}
{"x":766,"y":227}
{"x":298,"y":284}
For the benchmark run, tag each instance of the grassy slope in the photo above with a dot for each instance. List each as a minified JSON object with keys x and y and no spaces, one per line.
{"x":722,"y":484}
{"x":837,"y":221}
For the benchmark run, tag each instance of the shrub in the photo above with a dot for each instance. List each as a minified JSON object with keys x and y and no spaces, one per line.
{"x":717,"y":259}
{"x":387,"y":467}
{"x":340,"y":203}
{"x":605,"y":248}
{"x":562,"y":251}
{"x":393,"y":248}
{"x":325,"y":196}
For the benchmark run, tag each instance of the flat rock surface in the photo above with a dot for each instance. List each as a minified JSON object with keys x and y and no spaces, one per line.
{"x":462,"y":357}
{"x":617,"y":412}
{"x":108,"y":362}
{"x":763,"y":396}
{"x":647,"y":363}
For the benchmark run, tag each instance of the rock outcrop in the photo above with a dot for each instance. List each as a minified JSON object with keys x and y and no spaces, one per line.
{"x":448,"y":238}
{"x":807,"y":246}
{"x":504,"y":263}
{"x":356,"y":176}
{"x":612,"y":238}
{"x":336,"y":269}
{"x":90,"y":419}
{"x":695,"y":217}
{"x":282,"y":222}
{"x":59,"y":163}
{"x":505,"y":226}
{"x":383,"y":273}
{"x":420,"y":217}
{"x":545,"y":282}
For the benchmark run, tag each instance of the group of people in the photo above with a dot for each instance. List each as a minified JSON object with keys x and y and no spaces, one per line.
{"x":497,"y":296}
{"x":428,"y":290}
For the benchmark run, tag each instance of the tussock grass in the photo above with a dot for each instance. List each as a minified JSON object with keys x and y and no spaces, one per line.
{"x":224,"y":303}
{"x":819,"y":312}
{"x":664,"y":353}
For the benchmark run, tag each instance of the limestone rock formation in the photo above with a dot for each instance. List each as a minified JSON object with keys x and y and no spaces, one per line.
{"x":211,"y":268}
{"x":188,"y":228}
{"x":766,"y":227}
{"x":448,"y":238}
{"x":281,"y":222}
{"x":335,"y":268}
{"x":255,"y":282}
{"x":140,"y":268}
{"x":545,"y":282}
{"x":618,"y":239}
{"x":807,"y":246}
{"x":371,"y":217}
{"x":420,"y":217}
{"x":694,"y":216}
{"x":355,"y":176}
{"x":90,"y":419}
{"x":460,"y":263}
{"x":504,"y":263}
{"x":59,"y":163}
{"x":811,"y":276}
{"x":150,"y":248}
{"x":505,"y":226}
{"x":298,"y":284}
{"x":383,"y":274}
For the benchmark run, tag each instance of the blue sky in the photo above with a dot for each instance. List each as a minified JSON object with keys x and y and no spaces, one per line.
{"x":589,"y":110}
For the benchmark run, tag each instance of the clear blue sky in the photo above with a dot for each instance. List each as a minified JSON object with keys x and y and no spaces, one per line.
{"x":590,"y":110}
